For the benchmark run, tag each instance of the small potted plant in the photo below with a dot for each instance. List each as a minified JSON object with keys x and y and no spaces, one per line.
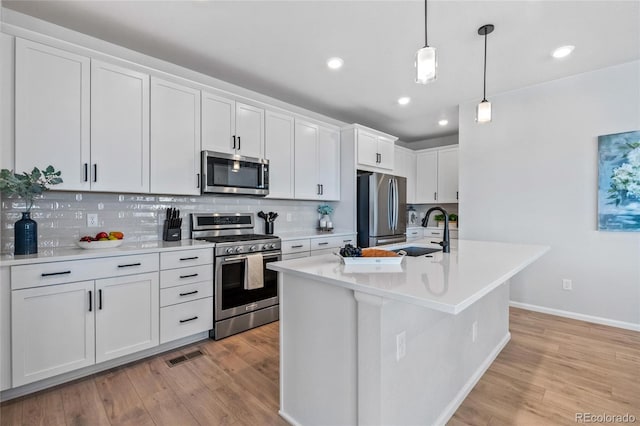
{"x":453,"y":220}
{"x":27,"y":186}
{"x":325,"y":220}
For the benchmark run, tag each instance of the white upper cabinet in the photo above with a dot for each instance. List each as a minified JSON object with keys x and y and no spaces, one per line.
{"x":279,"y":150}
{"x":317,"y":162}
{"x":175,"y":138}
{"x":52,"y":112}
{"x":437,"y":175}
{"x":232,"y":127}
{"x":119,"y":129}
{"x":375,"y":151}
{"x":405,"y":165}
{"x":367,"y":144}
{"x":386,"y":149}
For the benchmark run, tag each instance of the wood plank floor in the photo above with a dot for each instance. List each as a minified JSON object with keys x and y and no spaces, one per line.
{"x":551,"y":369}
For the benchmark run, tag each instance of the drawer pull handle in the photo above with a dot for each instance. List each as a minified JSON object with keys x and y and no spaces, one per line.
{"x":435,"y":233}
{"x":189,"y":293}
{"x":129,"y":264}
{"x":188,"y":319}
{"x":323,"y":244}
{"x":298,"y":246}
{"x":188,"y":276}
{"x":346,"y":241}
{"x":50,"y":274}
{"x":189,"y":258}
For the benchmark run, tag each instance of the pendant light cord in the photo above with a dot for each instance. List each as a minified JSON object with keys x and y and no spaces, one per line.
{"x":426,"y":44}
{"x":484,"y":85}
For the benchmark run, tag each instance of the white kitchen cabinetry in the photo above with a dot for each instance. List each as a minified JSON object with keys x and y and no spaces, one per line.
{"x":304,"y":247}
{"x":405,"y":165}
{"x":375,"y":150}
{"x":52,"y":112}
{"x":175,"y":138}
{"x":232,"y":127}
{"x":119,"y":129}
{"x":317,"y":162}
{"x":437,"y":174}
{"x":279,"y":150}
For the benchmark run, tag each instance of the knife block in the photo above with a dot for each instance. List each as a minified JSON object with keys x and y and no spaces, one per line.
{"x":171,"y":234}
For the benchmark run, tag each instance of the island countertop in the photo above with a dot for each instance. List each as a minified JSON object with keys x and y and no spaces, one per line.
{"x":447,"y":282}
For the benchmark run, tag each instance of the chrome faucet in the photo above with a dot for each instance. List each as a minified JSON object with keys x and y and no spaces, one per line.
{"x":445,"y":239}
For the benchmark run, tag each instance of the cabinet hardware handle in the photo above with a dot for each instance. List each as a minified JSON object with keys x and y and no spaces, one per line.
{"x":435,"y":195}
{"x":188,"y":276}
{"x":321,"y":189}
{"x":318,"y":189}
{"x":95,"y":172}
{"x":238,"y":143}
{"x":129,"y":264}
{"x":298,"y":246}
{"x":189,"y":258}
{"x":435,"y":233}
{"x":100,"y":299}
{"x":456,"y":195}
{"x":198,"y":180}
{"x":90,"y":301}
{"x":189,"y":293}
{"x":234,"y":141}
{"x":86,"y":172}
{"x":189,"y":319}
{"x":346,"y":241}
{"x":323,"y":244}
{"x":50,"y":274}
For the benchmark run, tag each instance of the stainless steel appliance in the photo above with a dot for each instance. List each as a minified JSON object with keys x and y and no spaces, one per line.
{"x":382,"y":203}
{"x":236,"y":308}
{"x":234,"y":174}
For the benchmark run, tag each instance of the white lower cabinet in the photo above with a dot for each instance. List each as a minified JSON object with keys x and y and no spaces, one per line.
{"x":185,"y":319}
{"x":304,"y":247}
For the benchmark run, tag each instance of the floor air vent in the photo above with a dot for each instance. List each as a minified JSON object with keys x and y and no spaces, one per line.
{"x":183,"y":358}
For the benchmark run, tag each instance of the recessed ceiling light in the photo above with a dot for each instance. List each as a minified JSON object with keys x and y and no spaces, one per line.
{"x":404,"y":100}
{"x":335,"y":63}
{"x":562,"y":51}
{"x":443,"y":122}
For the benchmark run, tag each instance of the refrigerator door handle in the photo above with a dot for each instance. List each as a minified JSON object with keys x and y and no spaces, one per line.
{"x":395,"y":206}
{"x":390,"y":205}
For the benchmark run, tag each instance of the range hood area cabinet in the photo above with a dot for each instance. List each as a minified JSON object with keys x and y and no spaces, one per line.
{"x":81,"y":116}
{"x":232,"y":127}
{"x":375,"y":150}
{"x":437,"y":175}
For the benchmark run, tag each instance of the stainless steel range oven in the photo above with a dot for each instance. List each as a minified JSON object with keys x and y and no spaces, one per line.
{"x":240,"y":257}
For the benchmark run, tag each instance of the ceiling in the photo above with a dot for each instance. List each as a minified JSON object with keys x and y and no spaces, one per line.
{"x":280,"y":48}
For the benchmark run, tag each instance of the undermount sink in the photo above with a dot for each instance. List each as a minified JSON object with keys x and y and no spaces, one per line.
{"x":417,"y":251}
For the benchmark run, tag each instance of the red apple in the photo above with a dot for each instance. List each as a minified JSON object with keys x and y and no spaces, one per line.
{"x":100,"y":235}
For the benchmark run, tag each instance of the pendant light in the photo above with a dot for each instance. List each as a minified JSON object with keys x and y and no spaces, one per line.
{"x":483,"y":111}
{"x":426,"y":61}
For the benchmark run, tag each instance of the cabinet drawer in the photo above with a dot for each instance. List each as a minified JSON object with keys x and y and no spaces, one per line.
{"x":331,"y":242}
{"x":26,"y":276}
{"x":415,"y":233}
{"x":295,"y":246}
{"x":186,"y":319}
{"x":186,"y":293}
{"x":434,"y":233}
{"x":181,"y":258}
{"x":175,"y":277}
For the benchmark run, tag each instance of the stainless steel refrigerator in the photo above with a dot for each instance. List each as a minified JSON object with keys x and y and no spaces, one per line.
{"x":382,"y":205}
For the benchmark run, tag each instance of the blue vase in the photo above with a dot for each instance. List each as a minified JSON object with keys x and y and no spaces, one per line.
{"x":25,"y":233}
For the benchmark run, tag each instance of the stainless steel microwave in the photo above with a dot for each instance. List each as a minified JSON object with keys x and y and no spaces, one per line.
{"x":234,"y":174}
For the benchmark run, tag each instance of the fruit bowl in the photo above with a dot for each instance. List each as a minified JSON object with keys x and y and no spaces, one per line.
{"x":89,"y":245}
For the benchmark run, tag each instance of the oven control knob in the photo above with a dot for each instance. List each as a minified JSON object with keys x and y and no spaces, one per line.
{"x":238,"y":249}
{"x":269,"y":246}
{"x":253,"y":248}
{"x":229,"y":250}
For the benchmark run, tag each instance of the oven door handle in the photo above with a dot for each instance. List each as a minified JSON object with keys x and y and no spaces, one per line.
{"x":266,"y":256}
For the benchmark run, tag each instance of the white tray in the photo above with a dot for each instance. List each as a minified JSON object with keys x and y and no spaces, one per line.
{"x":89,"y":245}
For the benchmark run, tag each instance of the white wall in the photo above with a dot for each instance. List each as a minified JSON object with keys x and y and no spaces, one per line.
{"x":531,"y":176}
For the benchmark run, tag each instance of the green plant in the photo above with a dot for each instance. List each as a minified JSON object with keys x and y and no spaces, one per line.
{"x":325,"y":209}
{"x":440,"y":217}
{"x":28,"y":185}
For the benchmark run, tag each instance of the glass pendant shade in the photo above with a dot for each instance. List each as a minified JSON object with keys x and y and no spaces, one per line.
{"x":426,"y":65}
{"x":483,"y":112}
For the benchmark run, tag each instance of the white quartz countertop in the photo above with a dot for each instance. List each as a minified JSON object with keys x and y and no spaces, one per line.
{"x":445,"y":282}
{"x":296,"y":235}
{"x":76,"y":253}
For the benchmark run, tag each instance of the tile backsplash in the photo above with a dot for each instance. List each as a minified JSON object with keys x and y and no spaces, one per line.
{"x":62,"y":220}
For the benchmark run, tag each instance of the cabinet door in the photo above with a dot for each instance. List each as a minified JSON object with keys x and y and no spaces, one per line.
{"x":52,"y":112}
{"x":329,"y":163}
{"x":175,"y":138}
{"x":448,"y":175}
{"x":52,"y":330}
{"x":127,"y":315}
{"x":427,"y":177}
{"x":410,"y":164}
{"x":218,"y":123}
{"x":279,"y":140}
{"x":367,"y":148}
{"x":249,"y":130}
{"x":306,"y":161}
{"x":119,"y":129}
{"x":386,"y":149}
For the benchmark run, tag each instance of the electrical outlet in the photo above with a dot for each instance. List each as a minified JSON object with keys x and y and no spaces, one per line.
{"x":567,"y":284}
{"x":474,"y":331}
{"x":289,"y":217}
{"x":401,"y":345}
{"x":92,"y":220}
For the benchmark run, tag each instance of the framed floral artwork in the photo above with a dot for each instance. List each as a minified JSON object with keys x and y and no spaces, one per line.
{"x":619,"y":182}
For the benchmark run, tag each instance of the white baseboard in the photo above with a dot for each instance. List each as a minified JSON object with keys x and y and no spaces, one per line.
{"x":576,"y":316}
{"x":453,"y":406}
{"x":288,"y":418}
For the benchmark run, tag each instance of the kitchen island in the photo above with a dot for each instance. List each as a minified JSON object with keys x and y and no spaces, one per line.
{"x":392,"y":344}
